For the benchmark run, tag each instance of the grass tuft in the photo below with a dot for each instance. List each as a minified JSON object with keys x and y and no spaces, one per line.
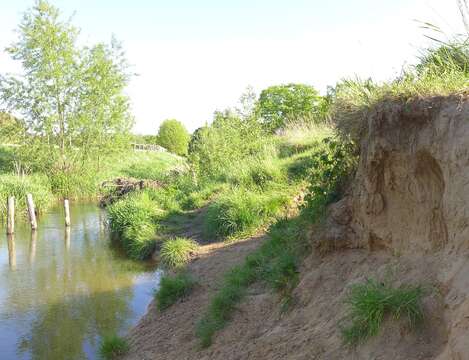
{"x":112,"y":347}
{"x":133,"y":220}
{"x":173,"y":288}
{"x":177,"y":252}
{"x":240,"y":212}
{"x":371,"y":302}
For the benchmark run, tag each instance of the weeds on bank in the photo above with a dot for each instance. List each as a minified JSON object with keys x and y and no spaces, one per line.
{"x":240,"y":212}
{"x":173,"y":288}
{"x":370,"y":303}
{"x":177,"y":252}
{"x":12,"y":185}
{"x":112,"y":347}
{"x":277,"y":261}
{"x":133,"y":220}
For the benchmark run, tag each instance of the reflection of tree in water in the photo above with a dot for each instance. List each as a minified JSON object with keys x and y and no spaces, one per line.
{"x":82,"y":296}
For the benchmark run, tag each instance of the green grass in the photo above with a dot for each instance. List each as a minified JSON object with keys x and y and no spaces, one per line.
{"x":134,"y":220}
{"x":173,"y":288}
{"x":370,"y":303}
{"x":177,"y":252}
{"x":112,"y":347}
{"x":439,"y":73}
{"x":275,"y":263}
{"x":37,"y":185}
{"x":240,"y":212}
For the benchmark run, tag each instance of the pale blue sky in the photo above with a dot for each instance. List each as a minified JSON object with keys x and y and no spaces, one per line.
{"x":194,"y":57}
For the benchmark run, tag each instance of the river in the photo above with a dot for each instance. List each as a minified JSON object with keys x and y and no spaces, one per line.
{"x":62,"y":291}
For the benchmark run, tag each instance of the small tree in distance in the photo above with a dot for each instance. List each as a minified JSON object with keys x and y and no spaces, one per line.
{"x":173,"y":136}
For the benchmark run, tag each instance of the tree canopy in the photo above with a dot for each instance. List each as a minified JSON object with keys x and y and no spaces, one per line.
{"x":280,"y":103}
{"x":70,"y":97}
{"x":173,"y":136}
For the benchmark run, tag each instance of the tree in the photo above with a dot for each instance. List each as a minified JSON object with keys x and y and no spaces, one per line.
{"x":280,"y":103}
{"x":247,"y":104}
{"x":173,"y":136}
{"x":70,"y":97}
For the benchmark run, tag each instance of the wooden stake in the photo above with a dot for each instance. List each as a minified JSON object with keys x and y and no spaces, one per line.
{"x":67,"y":212}
{"x":11,"y":215}
{"x":31,"y":211}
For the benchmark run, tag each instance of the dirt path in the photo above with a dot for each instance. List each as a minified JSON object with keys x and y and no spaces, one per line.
{"x":170,"y":334}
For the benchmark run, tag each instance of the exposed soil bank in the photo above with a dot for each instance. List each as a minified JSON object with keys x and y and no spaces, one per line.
{"x":405,"y":218}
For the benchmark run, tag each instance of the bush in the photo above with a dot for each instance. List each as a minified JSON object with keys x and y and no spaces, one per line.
{"x":240,"y":212}
{"x":332,"y":164}
{"x":173,"y":136}
{"x":220,"y":148}
{"x":172,"y":289}
{"x":369,"y":303}
{"x":177,"y":252}
{"x":112,"y":347}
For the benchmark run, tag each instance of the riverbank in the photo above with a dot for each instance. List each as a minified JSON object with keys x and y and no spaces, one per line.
{"x":48,"y":189}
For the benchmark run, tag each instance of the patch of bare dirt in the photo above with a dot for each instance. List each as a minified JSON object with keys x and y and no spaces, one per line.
{"x":170,"y":334}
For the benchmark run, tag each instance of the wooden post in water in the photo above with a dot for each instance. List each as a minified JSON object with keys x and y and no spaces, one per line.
{"x":67,"y":212}
{"x":11,"y":215}
{"x":31,"y":211}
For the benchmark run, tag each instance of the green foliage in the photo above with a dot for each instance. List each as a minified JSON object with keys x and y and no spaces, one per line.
{"x":452,"y":55}
{"x":177,"y":252}
{"x":70,"y":98}
{"x":239,"y":212}
{"x":331,"y":166}
{"x":133,"y":220}
{"x":113,"y":347}
{"x":275,"y":262}
{"x":173,"y":136}
{"x":277,"y":104}
{"x":371,"y":302}
{"x":442,"y":71}
{"x":229,"y":141}
{"x":19,"y":187}
{"x":173,"y":288}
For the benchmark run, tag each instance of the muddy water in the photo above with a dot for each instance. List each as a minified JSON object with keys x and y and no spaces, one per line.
{"x":62,"y":291}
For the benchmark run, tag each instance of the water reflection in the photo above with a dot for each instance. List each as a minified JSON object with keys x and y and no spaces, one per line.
{"x":11,"y":251}
{"x":78,"y":289}
{"x":67,"y":237}
{"x":32,"y":247}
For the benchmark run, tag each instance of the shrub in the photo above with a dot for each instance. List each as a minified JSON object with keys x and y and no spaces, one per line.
{"x":369,"y":303}
{"x":331,"y":166}
{"x":112,"y":347}
{"x":177,"y":252}
{"x":221,"y":147}
{"x":172,"y":289}
{"x":240,"y":212}
{"x":173,"y":136}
